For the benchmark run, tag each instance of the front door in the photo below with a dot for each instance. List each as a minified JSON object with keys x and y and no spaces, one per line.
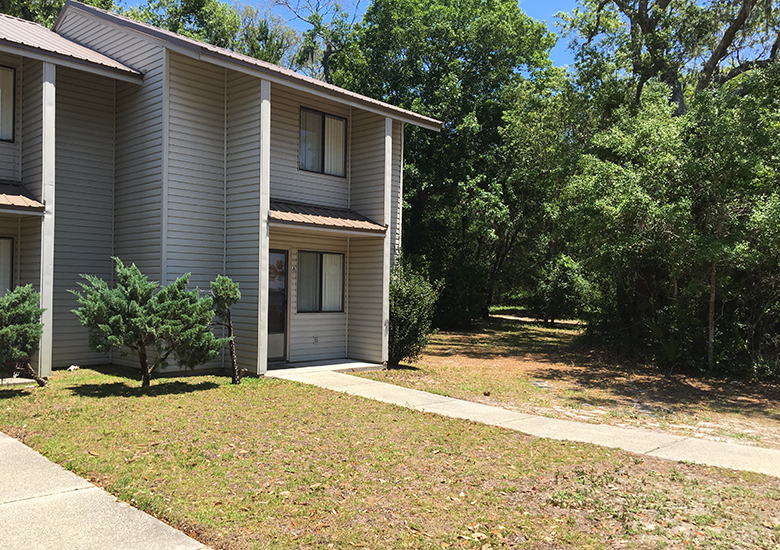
{"x":277,"y":305}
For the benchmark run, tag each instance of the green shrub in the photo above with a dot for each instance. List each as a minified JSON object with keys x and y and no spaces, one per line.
{"x":412,"y":303}
{"x":21,"y":329}
{"x":152,"y":323}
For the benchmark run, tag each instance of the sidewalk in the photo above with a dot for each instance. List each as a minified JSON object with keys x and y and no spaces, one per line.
{"x":672,"y":447}
{"x":45,"y":507}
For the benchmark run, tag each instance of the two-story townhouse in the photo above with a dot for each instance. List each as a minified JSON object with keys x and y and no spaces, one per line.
{"x":183,"y":157}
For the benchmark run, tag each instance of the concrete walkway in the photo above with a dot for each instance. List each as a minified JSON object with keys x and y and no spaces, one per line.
{"x":672,"y":447}
{"x":45,"y":507}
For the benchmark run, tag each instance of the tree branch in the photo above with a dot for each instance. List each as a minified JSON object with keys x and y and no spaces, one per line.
{"x":720,"y":51}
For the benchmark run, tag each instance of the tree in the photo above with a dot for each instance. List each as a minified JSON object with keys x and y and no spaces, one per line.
{"x":331,"y":30}
{"x":412,"y":303}
{"x":152,"y":323}
{"x":688,"y":45}
{"x":21,"y":329}
{"x":458,"y":62}
{"x":45,"y":12}
{"x":226,"y":294}
{"x":238,"y":28}
{"x":676,"y":218}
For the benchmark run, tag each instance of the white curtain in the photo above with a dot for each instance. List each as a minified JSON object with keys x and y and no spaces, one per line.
{"x":6,"y":104}
{"x":332,"y":281}
{"x":335,"y":141}
{"x":310,"y":155}
{"x":308,"y":281}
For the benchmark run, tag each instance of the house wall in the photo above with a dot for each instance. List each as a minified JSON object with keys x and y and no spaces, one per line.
{"x":368,"y":163}
{"x":365,"y":299}
{"x":139,"y":141}
{"x":196,"y":172}
{"x":10,"y":152}
{"x":330,"y":329}
{"x":287,"y":181}
{"x":83,"y":234}
{"x":31,"y":124}
{"x":242,"y":206}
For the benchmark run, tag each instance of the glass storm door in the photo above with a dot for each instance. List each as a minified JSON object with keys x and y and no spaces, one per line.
{"x":277,"y":305}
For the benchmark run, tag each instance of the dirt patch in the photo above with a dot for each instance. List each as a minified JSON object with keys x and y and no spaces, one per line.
{"x":519,"y":365}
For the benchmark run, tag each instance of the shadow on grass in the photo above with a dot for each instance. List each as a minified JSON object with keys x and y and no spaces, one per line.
{"x":498,"y":337}
{"x":158,"y":387}
{"x":402,"y":367}
{"x":571,"y":360}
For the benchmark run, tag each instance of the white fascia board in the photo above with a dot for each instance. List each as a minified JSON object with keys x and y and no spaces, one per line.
{"x":353,"y":233}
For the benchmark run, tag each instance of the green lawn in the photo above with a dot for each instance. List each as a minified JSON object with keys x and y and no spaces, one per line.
{"x":275,"y":464}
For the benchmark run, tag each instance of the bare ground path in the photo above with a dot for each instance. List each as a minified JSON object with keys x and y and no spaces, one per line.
{"x":523,"y":366}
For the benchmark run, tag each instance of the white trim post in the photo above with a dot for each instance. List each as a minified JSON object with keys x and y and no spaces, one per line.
{"x":48,"y":146}
{"x":386,"y":252}
{"x":264,"y":236}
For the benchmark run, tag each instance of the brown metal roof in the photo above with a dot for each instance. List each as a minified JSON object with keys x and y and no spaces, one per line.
{"x":15,"y":196}
{"x":263,"y":67}
{"x":335,"y":218}
{"x":32,"y":37}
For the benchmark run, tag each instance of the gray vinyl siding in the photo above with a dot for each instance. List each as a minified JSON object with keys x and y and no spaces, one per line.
{"x":287,"y":181}
{"x":32,"y":126}
{"x":10,"y":152}
{"x":139,"y":122}
{"x":329,"y":328}
{"x":243,"y":210}
{"x":368,"y":165}
{"x":396,"y":191}
{"x":30,"y":252}
{"x":84,"y":167}
{"x":365,"y":300}
{"x":196,"y":171}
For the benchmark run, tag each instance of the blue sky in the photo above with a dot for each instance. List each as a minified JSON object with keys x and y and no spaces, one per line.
{"x":541,"y":10}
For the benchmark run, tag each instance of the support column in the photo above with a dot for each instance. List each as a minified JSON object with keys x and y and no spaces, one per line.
{"x":264,"y":237}
{"x":47,"y":227}
{"x":386,"y":253}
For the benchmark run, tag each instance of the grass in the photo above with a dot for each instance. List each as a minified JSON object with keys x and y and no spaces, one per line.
{"x":275,"y":464}
{"x":515,"y":363}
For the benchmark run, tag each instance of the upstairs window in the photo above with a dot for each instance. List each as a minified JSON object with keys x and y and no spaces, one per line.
{"x":7,"y":92}
{"x":320,"y":282}
{"x":323,"y":143}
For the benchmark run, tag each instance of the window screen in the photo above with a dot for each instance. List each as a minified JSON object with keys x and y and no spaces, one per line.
{"x":323,"y":143}
{"x":6,"y":104}
{"x":320,"y":282}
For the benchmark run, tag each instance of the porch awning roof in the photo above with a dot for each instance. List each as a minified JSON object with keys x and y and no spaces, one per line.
{"x":30,"y":39}
{"x":15,"y":197}
{"x":323,"y":217}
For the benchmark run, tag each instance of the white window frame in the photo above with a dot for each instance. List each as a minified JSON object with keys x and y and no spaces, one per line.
{"x":328,"y":147}
{"x":323,"y":282}
{"x":7,"y":104}
{"x":6,"y":264}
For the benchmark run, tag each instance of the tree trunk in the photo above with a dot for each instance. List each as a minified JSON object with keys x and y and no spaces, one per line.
{"x":146,"y":373}
{"x":26,"y":369}
{"x":233,"y":360}
{"x":711,"y":321}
